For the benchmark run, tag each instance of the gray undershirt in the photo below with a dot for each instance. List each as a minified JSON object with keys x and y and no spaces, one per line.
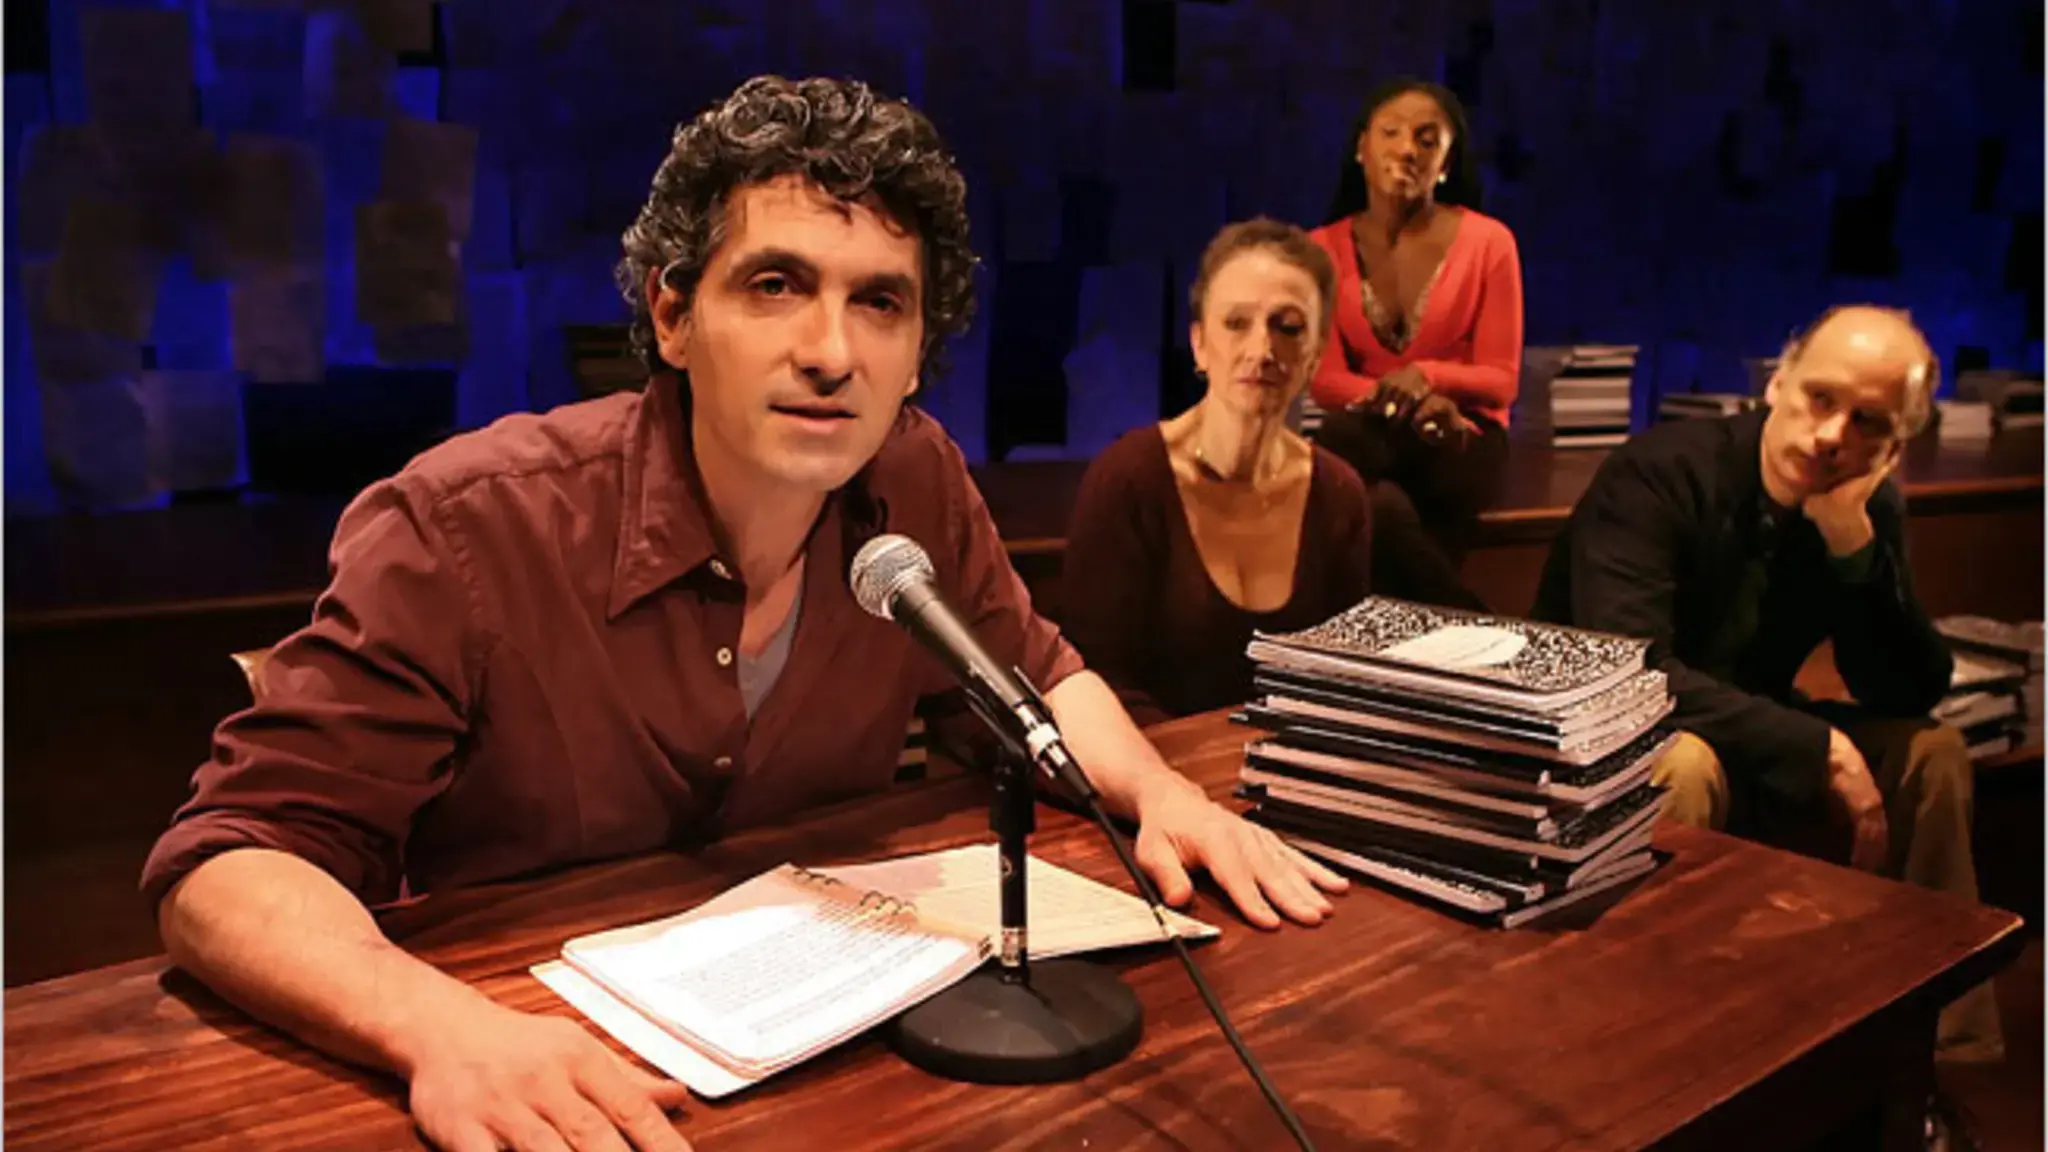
{"x":758,"y":674}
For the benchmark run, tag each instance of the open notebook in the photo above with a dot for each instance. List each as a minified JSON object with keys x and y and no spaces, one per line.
{"x":796,"y":961}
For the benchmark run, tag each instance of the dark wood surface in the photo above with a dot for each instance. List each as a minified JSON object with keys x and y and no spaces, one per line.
{"x":262,"y":553}
{"x":1740,"y":990}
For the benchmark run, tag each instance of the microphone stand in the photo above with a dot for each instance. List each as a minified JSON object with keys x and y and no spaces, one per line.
{"x":1027,"y":1023}
{"x":1020,"y":1022}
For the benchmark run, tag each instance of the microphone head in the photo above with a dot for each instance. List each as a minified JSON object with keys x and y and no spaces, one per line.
{"x":883,"y":568}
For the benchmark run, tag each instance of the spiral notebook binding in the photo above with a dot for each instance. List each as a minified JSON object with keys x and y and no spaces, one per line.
{"x":881,"y":905}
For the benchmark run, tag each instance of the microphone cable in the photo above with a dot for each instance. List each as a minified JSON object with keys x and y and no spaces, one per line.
{"x":1180,"y":948}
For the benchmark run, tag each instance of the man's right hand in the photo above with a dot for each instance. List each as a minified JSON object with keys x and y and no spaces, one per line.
{"x":1852,"y":786}
{"x":492,"y":1078}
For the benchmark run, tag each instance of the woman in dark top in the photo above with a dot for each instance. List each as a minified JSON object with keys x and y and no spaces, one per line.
{"x":1191,"y":533}
{"x":1425,"y":343}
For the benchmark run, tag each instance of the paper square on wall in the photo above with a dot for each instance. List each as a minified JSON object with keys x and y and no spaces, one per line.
{"x":105,"y":279}
{"x":170,"y":177}
{"x":138,"y":68}
{"x":278,"y":323}
{"x":66,"y":356}
{"x":271,"y":213}
{"x":427,"y":345}
{"x":95,"y":438}
{"x":60,"y":164}
{"x":192,"y":429}
{"x":399,"y":25}
{"x":430,"y":161}
{"x":407,"y":274}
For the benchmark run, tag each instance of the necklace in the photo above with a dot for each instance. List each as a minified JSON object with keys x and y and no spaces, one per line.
{"x":1263,"y":496}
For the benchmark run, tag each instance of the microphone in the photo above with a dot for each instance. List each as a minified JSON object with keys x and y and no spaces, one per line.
{"x":892,"y":578}
{"x":1028,"y":1024}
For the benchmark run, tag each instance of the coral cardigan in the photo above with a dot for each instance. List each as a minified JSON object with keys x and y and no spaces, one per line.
{"x":1469,"y":341}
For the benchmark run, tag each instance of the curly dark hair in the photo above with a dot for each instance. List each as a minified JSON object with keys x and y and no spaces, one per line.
{"x":837,"y":134}
{"x":1461,"y":175}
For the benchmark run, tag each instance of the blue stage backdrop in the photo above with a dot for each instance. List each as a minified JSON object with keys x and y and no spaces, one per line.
{"x":211,"y":200}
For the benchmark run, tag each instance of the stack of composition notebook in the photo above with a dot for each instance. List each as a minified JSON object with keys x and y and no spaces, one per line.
{"x":1494,"y":766}
{"x":1994,"y":694}
{"x":1591,"y":402}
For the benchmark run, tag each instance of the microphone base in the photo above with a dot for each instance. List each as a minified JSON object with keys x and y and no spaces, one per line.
{"x":1068,"y":1020}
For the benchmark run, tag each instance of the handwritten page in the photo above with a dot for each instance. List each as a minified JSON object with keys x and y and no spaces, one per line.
{"x":776,"y":970}
{"x":1068,"y":913}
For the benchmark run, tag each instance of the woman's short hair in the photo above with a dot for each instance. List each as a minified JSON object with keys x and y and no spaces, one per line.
{"x":840,"y":136}
{"x":1263,"y":233}
{"x":1461,"y":175}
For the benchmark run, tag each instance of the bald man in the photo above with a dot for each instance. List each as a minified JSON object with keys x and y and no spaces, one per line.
{"x":1737,"y":545}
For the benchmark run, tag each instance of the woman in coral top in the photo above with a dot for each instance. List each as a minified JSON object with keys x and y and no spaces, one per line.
{"x":1425,"y":344}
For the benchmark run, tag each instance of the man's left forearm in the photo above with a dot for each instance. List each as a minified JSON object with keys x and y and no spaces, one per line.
{"x":1886,"y":648}
{"x":1121,"y":763}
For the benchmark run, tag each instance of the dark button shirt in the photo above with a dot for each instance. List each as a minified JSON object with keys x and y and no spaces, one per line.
{"x":1139,"y":601}
{"x":526,"y":657}
{"x":1671,"y":542}
{"x":1745,"y":603}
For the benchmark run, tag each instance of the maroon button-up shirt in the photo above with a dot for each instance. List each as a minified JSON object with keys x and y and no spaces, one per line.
{"x":527,"y":657}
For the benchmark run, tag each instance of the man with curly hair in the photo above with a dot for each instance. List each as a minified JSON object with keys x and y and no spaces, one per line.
{"x":624,"y":626}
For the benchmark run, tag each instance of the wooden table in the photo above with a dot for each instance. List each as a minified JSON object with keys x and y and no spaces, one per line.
{"x":1741,"y":996}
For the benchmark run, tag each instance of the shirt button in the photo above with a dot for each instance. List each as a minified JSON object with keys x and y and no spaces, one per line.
{"x":725,"y":657}
{"x":719,"y":570}
{"x":723,"y":763}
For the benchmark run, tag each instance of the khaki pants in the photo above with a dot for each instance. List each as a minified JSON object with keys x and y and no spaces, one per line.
{"x":1923,"y":770}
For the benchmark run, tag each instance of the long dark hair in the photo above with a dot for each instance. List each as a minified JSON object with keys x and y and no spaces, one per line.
{"x":1461,"y":176}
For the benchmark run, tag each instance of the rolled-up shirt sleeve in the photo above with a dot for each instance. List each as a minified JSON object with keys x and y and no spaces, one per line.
{"x":359,"y":714}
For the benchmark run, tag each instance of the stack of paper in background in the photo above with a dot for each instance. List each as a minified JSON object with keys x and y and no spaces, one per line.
{"x":2015,"y":397}
{"x":1589,"y":396}
{"x":1491,"y":766}
{"x":1704,"y":405}
{"x":1962,"y":421}
{"x":1995,"y":693}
